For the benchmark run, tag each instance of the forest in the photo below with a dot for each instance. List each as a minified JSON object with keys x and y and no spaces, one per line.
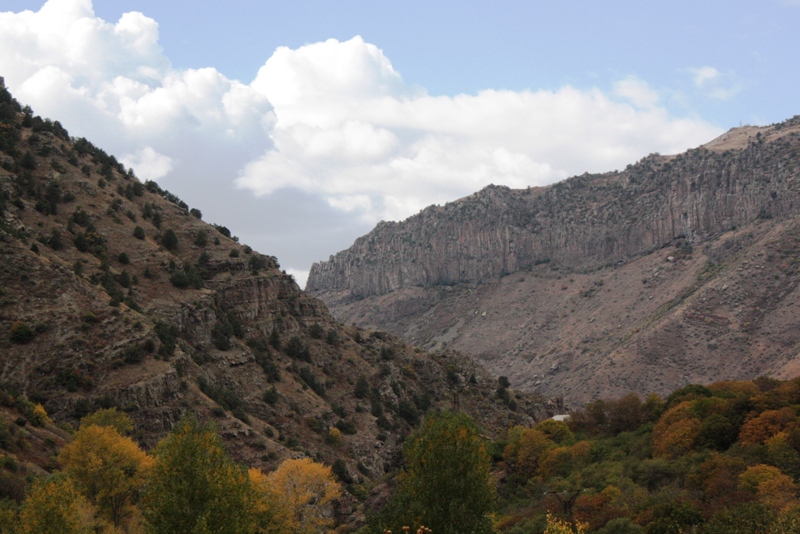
{"x":707,"y":459}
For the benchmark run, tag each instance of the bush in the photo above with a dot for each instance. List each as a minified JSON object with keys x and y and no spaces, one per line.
{"x":295,"y":348}
{"x":167,"y":335}
{"x":362,"y":388}
{"x":138,"y":232}
{"x":196,"y":213}
{"x":271,"y":396}
{"x":346,"y":427}
{"x":20,"y":333}
{"x":133,"y":354}
{"x":81,"y":243}
{"x":54,"y":241}
{"x":201,"y":239}
{"x":123,"y":258}
{"x":221,"y":229}
{"x":170,"y":240}
{"x":308,"y":376}
{"x":334,"y":438}
{"x":316,"y":331}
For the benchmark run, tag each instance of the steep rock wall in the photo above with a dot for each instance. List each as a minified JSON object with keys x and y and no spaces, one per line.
{"x":582,"y":223}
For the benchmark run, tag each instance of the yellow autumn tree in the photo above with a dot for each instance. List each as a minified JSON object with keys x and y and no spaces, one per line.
{"x":109,"y":469}
{"x":556,"y":525}
{"x":56,"y":506}
{"x":305,"y":491}
{"x":271,"y":517}
{"x":772,"y":488}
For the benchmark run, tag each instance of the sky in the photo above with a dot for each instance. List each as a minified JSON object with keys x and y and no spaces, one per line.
{"x":299,"y":125}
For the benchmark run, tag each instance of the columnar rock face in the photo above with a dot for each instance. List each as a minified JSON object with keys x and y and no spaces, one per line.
{"x":583,"y":223}
{"x":680,"y":269}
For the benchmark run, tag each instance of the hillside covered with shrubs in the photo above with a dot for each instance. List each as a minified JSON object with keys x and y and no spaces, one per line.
{"x":714,"y":459}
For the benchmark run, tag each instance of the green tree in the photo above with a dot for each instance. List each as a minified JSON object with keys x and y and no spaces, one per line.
{"x":196,"y":488}
{"x":446,"y":486}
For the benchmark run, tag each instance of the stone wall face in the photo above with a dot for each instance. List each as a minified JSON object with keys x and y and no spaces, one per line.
{"x":580,"y":224}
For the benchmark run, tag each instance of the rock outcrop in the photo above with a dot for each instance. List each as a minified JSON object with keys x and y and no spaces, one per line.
{"x":583,"y":223}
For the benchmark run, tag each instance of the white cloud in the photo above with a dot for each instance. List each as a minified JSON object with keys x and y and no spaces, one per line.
{"x":348,"y":128}
{"x":149,"y":164}
{"x":637,"y":91}
{"x":332,"y":120}
{"x":714,"y":84}
{"x":112,"y":84}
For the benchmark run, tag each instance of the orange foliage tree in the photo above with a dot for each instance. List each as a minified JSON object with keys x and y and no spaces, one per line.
{"x":767,"y":424}
{"x":676,"y":431}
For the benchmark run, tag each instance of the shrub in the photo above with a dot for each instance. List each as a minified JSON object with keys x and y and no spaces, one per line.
{"x":308,"y":376}
{"x":170,"y":240}
{"x":138,"y":232}
{"x":20,"y":332}
{"x":81,"y":243}
{"x":271,"y":396}
{"x":39,"y":416}
{"x":316,"y":331}
{"x":346,"y":427}
{"x":295,"y":348}
{"x":196,"y":213}
{"x":54,"y":241}
{"x":334,"y":438}
{"x":201,"y":239}
{"x":221,"y":229}
{"x":362,"y":388}
{"x":123,"y":258}
{"x":133,"y":354}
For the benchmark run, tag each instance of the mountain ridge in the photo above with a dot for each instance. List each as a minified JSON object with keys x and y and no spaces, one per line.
{"x":114,"y":293}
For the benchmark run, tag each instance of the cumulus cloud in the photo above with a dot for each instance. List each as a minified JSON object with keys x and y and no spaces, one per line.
{"x":350,"y":129}
{"x":331,"y":126}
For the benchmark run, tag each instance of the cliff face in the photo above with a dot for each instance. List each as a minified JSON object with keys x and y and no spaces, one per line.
{"x":681,"y":269}
{"x":583,"y":223}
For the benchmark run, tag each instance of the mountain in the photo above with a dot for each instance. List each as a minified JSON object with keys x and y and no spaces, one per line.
{"x":679,"y":269}
{"x":114,"y":293}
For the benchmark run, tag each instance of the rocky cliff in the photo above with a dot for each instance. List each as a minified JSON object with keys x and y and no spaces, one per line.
{"x":115,"y":293}
{"x":583,"y":223}
{"x":678,"y":269}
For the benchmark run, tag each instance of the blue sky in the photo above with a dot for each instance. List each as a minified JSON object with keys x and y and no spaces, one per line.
{"x":372,"y":110}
